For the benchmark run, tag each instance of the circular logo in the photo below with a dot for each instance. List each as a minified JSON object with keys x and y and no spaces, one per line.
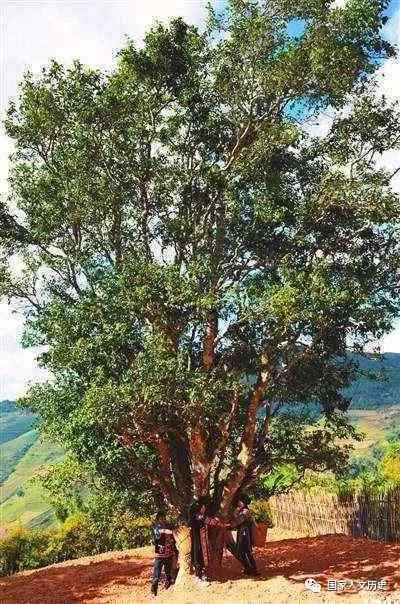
{"x":312,"y":585}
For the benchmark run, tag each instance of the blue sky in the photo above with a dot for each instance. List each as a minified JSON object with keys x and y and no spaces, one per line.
{"x":33,"y":31}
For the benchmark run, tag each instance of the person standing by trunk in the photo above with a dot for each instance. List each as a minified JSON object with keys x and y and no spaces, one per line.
{"x":200,"y":551}
{"x":164,"y":551}
{"x":243,"y":523}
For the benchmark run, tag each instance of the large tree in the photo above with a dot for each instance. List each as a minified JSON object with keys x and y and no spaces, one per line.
{"x":195,"y":264}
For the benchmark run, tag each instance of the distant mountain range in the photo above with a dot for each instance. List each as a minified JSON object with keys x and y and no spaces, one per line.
{"x":368,"y":394}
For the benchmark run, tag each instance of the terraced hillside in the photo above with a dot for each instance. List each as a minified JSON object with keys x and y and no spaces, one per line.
{"x":22,"y":454}
{"x":13,"y":422}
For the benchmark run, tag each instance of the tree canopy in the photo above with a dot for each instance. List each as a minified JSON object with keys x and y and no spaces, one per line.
{"x":195,"y":262}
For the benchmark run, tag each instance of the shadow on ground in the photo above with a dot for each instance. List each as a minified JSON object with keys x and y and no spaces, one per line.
{"x":328,"y":557}
{"x":87,"y":582}
{"x":104,"y":578}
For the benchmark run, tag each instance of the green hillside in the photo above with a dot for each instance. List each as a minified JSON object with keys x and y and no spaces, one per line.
{"x":22,"y":454}
{"x":39,"y":455}
{"x":13,"y":421}
{"x":12,"y":451}
{"x":375,"y":424}
{"x":20,"y":500}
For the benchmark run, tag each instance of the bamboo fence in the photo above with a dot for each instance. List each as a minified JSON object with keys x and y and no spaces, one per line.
{"x":376,"y":516}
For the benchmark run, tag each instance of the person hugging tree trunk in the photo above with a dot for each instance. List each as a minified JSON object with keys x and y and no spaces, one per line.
{"x":243,"y":523}
{"x":207,"y":532}
{"x":200,"y":549}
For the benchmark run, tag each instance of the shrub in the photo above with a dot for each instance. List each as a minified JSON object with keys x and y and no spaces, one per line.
{"x":80,"y":535}
{"x":21,"y":549}
{"x":12,"y":549}
{"x":73,"y":539}
{"x":390,"y":465}
{"x":132,"y":531}
{"x":261,"y":512}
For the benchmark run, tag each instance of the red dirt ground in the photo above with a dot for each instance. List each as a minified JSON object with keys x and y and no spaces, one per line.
{"x":123,"y":577}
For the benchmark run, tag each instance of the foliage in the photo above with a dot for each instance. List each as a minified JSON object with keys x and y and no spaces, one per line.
{"x":63,"y":485}
{"x":70,"y":488}
{"x":316,"y":482}
{"x":78,"y":536}
{"x":394,"y":433}
{"x":21,"y":550}
{"x":261,"y":512}
{"x":377,"y":472}
{"x":280,"y":480}
{"x":180,"y":232}
{"x":390,"y":463}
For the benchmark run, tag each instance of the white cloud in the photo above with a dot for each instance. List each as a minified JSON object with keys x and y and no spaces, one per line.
{"x":391,"y":343}
{"x":389,"y":73}
{"x":319,"y":125}
{"x":91,"y":31}
{"x":18,"y":367}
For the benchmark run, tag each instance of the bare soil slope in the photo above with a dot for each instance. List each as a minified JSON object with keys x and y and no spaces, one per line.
{"x":123,"y":577}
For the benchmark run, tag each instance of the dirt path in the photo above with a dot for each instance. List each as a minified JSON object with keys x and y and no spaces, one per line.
{"x":123,"y":577}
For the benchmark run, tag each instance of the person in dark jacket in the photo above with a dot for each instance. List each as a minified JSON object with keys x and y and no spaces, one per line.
{"x":164,"y":552}
{"x":197,"y":515}
{"x":207,"y":539}
{"x":243,"y":523}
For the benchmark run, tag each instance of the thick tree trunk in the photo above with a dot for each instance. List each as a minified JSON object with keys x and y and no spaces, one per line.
{"x":216,"y":539}
{"x":246,"y":453}
{"x":200,"y":464}
{"x":183,"y":543}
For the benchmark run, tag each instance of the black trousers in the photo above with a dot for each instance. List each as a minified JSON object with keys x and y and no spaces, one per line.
{"x":248,"y":560}
{"x":244,"y":555}
{"x":159,"y":564}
